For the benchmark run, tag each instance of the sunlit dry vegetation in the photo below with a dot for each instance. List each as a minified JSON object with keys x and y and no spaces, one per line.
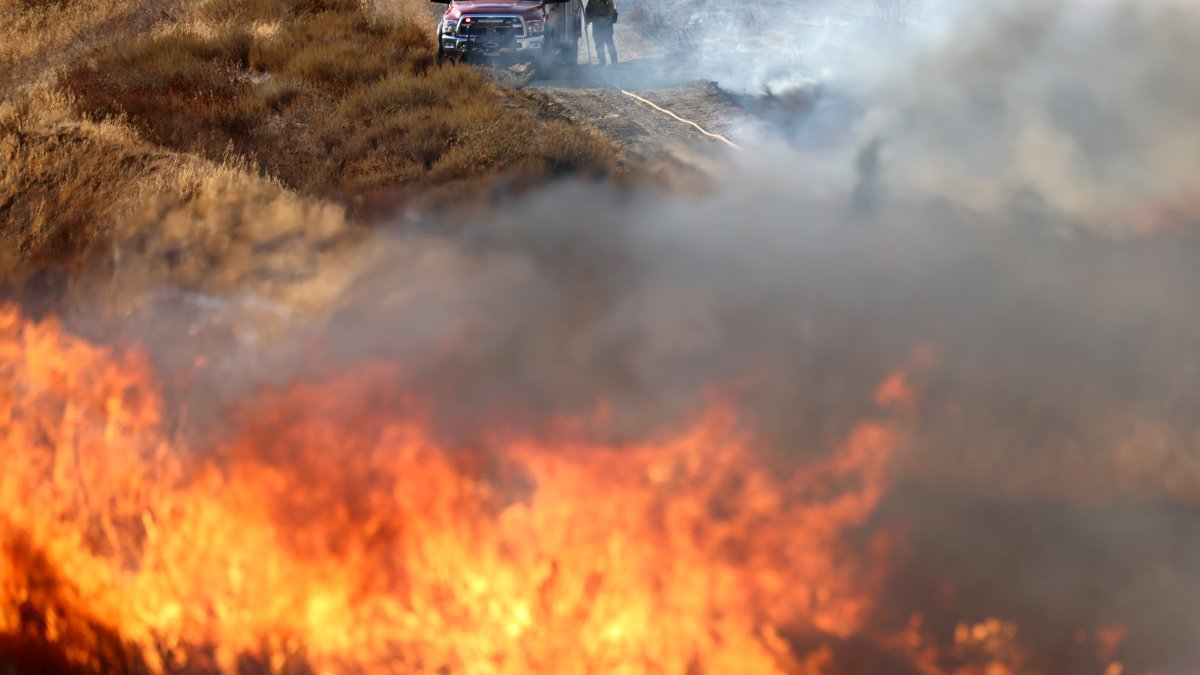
{"x":329,"y":101}
{"x":95,"y":193}
{"x":332,"y":102}
{"x":37,"y":28}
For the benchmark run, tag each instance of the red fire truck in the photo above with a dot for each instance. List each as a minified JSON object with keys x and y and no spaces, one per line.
{"x":542,"y":32}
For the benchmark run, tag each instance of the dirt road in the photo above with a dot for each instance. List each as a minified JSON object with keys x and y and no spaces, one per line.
{"x":664,"y":117}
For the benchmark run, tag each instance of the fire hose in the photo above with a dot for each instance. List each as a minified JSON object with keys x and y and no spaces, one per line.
{"x":588,"y":43}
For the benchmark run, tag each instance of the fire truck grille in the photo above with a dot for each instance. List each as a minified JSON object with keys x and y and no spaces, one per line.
{"x":497,"y":29}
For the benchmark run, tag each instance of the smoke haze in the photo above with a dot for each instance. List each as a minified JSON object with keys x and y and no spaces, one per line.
{"x":1015,"y":193}
{"x":1002,"y":198}
{"x":1084,"y":109}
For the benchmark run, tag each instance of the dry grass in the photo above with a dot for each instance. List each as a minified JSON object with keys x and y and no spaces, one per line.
{"x":95,"y":194}
{"x":61,"y":181}
{"x":333,"y":101}
{"x":209,"y":151}
{"x":410,"y":10}
{"x":30,"y":28}
{"x":234,"y":235}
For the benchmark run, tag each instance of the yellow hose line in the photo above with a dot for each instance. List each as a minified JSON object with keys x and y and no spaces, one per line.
{"x":663,"y":110}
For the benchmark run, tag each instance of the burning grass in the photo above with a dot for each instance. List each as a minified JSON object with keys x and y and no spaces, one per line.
{"x":324,"y":526}
{"x":330,"y":531}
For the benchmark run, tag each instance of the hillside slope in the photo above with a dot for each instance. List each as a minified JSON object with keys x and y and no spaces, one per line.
{"x":167,"y":126}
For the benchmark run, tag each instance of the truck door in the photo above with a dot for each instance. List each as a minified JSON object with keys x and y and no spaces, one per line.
{"x":565,"y":30}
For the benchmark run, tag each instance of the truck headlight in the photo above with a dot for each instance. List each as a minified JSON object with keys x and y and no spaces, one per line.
{"x":534,"y":27}
{"x":449,"y":27}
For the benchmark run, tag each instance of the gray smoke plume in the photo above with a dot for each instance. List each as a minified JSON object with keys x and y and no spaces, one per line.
{"x":1084,"y":108}
{"x":1059,"y":417}
{"x":1052,"y":353}
{"x":1016,"y":188}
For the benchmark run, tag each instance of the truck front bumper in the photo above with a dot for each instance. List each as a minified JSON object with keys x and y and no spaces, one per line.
{"x":462,"y":45}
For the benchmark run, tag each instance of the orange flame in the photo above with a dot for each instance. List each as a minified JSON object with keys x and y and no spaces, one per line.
{"x":331,"y":532}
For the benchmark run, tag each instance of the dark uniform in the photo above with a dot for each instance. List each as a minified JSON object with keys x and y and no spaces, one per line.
{"x":602,"y":14}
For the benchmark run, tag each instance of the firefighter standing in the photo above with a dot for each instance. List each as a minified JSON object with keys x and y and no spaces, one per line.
{"x":602,"y":14}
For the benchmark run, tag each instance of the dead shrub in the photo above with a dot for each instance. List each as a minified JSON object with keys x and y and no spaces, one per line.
{"x":224,"y":11}
{"x":337,"y":64}
{"x":59,"y":191}
{"x":341,"y":49}
{"x":179,"y":89}
{"x":179,"y":60}
{"x":279,"y":92}
{"x":396,"y":92}
{"x":565,"y":149}
{"x":319,"y":6}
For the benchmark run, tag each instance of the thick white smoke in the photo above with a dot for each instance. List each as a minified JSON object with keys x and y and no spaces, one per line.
{"x":1085,"y":108}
